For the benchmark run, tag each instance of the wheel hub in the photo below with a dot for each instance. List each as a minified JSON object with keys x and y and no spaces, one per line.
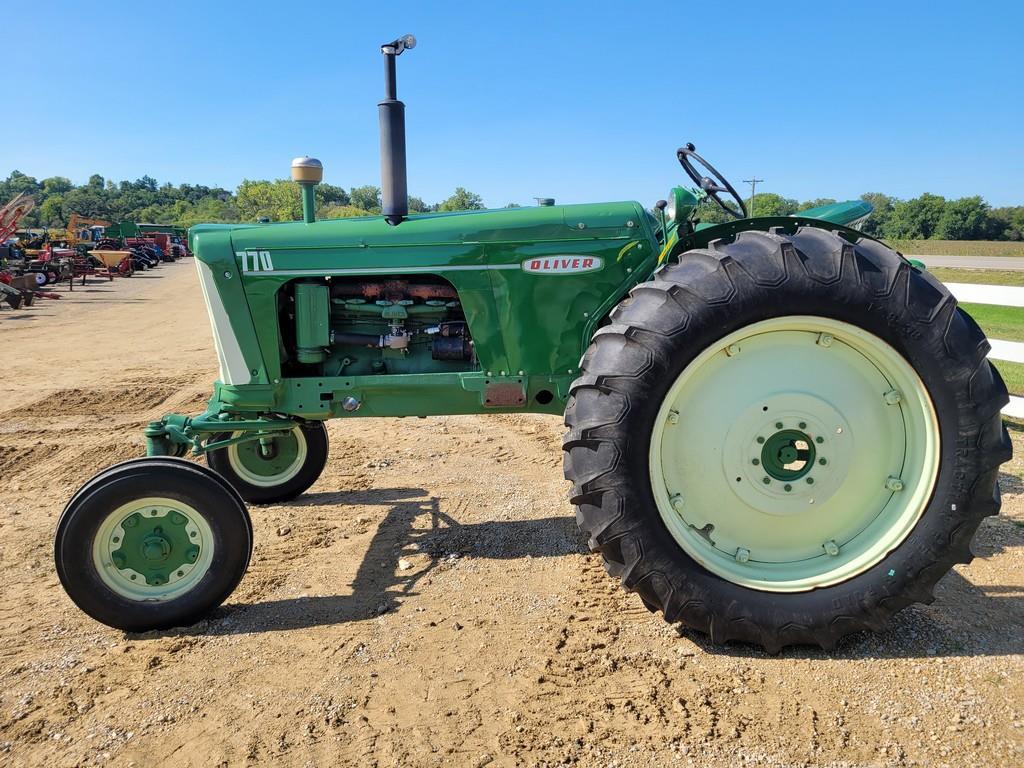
{"x":788,"y":454}
{"x":152,"y":543}
{"x":269,"y":461}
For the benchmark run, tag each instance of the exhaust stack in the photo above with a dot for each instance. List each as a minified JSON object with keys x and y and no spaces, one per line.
{"x":394,"y":189}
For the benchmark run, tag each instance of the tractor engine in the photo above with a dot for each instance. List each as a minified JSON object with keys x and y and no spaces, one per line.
{"x":381,"y":325}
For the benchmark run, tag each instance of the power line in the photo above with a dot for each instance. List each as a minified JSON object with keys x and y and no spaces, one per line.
{"x":753,"y":186}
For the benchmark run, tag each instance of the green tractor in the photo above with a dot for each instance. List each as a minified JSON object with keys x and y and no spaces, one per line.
{"x":779,"y":430}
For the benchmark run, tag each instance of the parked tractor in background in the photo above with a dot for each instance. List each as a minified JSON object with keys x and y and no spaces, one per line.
{"x":779,"y":430}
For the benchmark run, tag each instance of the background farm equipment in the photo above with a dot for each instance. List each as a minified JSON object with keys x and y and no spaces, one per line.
{"x":83,"y":232}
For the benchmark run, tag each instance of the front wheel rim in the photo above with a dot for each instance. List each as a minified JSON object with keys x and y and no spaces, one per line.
{"x":153,"y":549}
{"x":793,"y":454}
{"x":270,"y":463}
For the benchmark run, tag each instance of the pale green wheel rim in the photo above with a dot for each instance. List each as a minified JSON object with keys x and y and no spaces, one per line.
{"x":177,"y":572}
{"x":285,"y":461}
{"x":784,"y":383}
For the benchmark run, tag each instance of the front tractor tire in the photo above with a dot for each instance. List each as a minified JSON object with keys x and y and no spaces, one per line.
{"x":275,"y":470}
{"x":152,"y":543}
{"x":784,"y":439}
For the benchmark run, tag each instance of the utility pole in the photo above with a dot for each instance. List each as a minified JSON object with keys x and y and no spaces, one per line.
{"x":753,"y":186}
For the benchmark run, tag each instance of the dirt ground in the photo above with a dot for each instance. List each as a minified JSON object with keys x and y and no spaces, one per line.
{"x":430,"y":602}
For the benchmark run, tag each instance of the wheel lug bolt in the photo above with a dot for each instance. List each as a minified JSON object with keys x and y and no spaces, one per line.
{"x":760,"y":439}
{"x":778,"y":425}
{"x":810,"y":481}
{"x":742,"y":555}
{"x":819,"y":439}
{"x":755,"y":462}
{"x":767,"y":481}
{"x":894,"y":484}
{"x":822,"y":462}
{"x":677,"y":502}
{"x":803,"y":425}
{"x":893,"y":397}
{"x":831,"y":548}
{"x":825,"y":339}
{"x":732,"y":349}
{"x":787,"y":487}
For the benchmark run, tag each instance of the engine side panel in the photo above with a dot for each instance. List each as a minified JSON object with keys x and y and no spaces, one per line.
{"x":530,"y":287}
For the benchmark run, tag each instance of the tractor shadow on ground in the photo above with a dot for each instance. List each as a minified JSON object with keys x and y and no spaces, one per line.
{"x":966,"y":619}
{"x":412,"y":526}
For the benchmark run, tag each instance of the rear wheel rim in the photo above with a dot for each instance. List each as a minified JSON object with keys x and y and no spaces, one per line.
{"x":153,"y":549}
{"x":793,"y":454}
{"x":270,"y":465}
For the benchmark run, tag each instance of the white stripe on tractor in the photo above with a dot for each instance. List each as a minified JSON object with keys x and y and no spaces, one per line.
{"x":233,"y":369}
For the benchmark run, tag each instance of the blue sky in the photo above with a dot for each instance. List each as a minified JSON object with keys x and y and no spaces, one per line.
{"x":579,"y":101}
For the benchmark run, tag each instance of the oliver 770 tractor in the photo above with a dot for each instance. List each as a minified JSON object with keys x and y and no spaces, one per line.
{"x":779,"y":430}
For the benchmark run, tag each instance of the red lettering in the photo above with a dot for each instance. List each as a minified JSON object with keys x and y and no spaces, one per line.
{"x":535,"y":265}
{"x":575,"y":263}
{"x":588,"y":263}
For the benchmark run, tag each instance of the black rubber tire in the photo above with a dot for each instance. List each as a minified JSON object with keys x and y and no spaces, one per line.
{"x":316,"y":459}
{"x":665,"y":323}
{"x":173,"y":478}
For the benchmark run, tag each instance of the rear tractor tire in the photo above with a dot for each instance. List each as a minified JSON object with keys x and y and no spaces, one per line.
{"x":784,"y":439}
{"x":277,"y":471}
{"x":152,"y":543}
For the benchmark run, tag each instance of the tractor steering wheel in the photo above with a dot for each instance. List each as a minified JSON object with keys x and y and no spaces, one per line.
{"x":707,"y":183}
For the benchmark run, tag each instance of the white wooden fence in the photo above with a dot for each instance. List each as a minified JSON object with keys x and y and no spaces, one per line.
{"x":1009,"y":351}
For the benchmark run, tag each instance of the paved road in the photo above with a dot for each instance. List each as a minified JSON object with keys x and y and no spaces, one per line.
{"x":1014,"y":263}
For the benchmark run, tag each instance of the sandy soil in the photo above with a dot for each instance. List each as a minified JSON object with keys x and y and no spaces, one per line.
{"x":430,"y":602}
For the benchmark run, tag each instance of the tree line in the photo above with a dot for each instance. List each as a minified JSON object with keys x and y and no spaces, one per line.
{"x":146,"y":200}
{"x":927,"y":217}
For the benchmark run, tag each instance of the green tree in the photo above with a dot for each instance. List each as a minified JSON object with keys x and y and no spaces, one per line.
{"x":877,"y":223}
{"x":771,"y":204}
{"x":1008,"y":223}
{"x":462,"y":200}
{"x":328,"y":194}
{"x":366,"y":198}
{"x":965,"y":219}
{"x":416,"y":205}
{"x":278,"y":200}
{"x":88,"y":201}
{"x":56,"y":185}
{"x":341,"y":212}
{"x":816,"y":203}
{"x":51,"y":212}
{"x":916,"y":219}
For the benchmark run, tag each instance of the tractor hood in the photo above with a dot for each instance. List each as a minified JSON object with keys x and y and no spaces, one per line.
{"x":561,"y":222}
